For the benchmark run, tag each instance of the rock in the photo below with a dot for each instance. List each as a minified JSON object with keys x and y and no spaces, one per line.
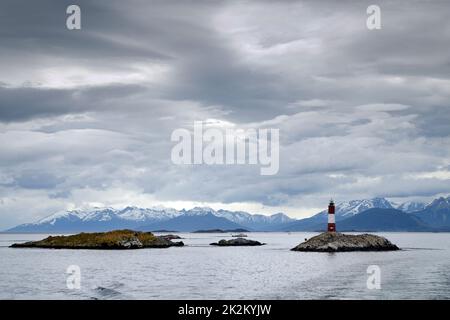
{"x":131,"y":243}
{"x":170,"y":236}
{"x":210,"y":231}
{"x":220,"y":230}
{"x":177,"y":244}
{"x":118,"y":239}
{"x":336,"y":242}
{"x":237,"y":242}
{"x":240,"y":235}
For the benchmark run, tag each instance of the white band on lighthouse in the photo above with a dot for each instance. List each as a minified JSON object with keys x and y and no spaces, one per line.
{"x":331,"y":218}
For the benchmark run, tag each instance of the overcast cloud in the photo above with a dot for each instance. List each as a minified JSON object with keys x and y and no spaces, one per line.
{"x":86,"y":115}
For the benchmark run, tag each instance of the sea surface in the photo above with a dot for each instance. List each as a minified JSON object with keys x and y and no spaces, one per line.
{"x":421,"y":270}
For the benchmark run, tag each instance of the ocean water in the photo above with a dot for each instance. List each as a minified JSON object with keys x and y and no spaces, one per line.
{"x":421,"y":270}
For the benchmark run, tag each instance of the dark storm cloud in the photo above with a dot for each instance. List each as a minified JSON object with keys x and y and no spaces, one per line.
{"x":113,"y":37}
{"x":24,"y":103}
{"x":37,"y":180}
{"x":434,"y":121}
{"x":39,"y":27}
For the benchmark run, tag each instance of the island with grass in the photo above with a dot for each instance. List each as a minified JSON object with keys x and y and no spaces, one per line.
{"x":118,"y":239}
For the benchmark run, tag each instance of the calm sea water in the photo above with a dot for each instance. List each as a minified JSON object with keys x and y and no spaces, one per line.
{"x":199,"y":271}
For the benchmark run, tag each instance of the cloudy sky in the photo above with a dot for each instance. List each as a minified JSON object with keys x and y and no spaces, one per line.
{"x":86,"y":115}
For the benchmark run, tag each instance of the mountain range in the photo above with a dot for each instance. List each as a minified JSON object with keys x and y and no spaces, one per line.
{"x":150,"y":219}
{"x":377,"y":214}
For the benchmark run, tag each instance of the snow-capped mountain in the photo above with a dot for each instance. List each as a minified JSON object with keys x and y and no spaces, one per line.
{"x":73,"y":215}
{"x":198,"y":211}
{"x":437,"y":213}
{"x":98,"y":219}
{"x":244,"y":219}
{"x":439,"y":204}
{"x":381,"y":214}
{"x":102,"y":219}
{"x":254,"y":221}
{"x":343,"y":210}
{"x":108,"y":214}
{"x":411,"y":206}
{"x":145,"y":214}
{"x":350,"y":208}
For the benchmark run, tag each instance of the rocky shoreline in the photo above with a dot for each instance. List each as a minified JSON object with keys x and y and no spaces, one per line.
{"x":339,"y":242}
{"x":118,"y":239}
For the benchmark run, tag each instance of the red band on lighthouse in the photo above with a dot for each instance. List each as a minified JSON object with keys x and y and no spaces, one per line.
{"x":331,"y":220}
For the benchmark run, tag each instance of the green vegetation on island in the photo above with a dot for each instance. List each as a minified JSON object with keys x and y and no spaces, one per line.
{"x":118,"y":239}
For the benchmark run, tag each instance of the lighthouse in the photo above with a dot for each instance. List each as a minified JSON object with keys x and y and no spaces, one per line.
{"x":331,"y":220}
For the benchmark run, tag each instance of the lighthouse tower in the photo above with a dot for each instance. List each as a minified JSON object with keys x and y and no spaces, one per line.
{"x":331,"y":220}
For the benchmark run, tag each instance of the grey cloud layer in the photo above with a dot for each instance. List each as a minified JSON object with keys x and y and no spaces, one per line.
{"x":86,"y":116}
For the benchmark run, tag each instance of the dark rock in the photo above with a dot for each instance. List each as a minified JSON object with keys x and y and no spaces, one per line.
{"x":336,"y":242}
{"x":237,"y":242}
{"x":220,"y":230}
{"x":177,"y":244}
{"x":237,"y":230}
{"x":170,"y":237}
{"x":240,"y":235}
{"x":209,"y":231}
{"x":118,"y":239}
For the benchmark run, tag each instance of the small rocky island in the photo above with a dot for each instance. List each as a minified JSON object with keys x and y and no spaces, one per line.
{"x":118,"y":239}
{"x":170,"y":237}
{"x":220,"y":230}
{"x":237,"y":242}
{"x":338,"y":242}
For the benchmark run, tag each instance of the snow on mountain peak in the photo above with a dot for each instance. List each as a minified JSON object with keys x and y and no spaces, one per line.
{"x":64,"y":214}
{"x":199,"y":211}
{"x":439,"y":203}
{"x":353,"y":207}
{"x":143,"y":214}
{"x":410,"y":206}
{"x":107,"y":214}
{"x":245,"y":218}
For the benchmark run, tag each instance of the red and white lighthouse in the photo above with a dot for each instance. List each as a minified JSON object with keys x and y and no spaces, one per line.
{"x":331,"y":220}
